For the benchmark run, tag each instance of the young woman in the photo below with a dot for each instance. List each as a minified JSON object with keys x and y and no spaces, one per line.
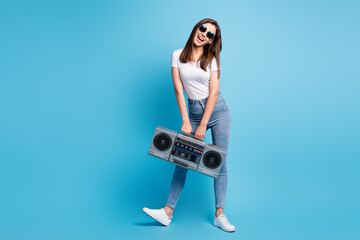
{"x":196,"y":68}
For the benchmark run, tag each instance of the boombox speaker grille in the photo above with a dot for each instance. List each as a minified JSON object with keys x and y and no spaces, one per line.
{"x":212,"y":159}
{"x":162,"y":141}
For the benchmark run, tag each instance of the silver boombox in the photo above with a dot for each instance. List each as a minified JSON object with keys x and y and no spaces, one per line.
{"x":187,"y":152}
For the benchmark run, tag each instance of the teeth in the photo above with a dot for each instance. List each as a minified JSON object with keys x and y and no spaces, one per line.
{"x":201,"y":38}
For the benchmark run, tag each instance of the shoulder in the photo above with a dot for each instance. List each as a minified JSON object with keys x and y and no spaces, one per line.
{"x":177,"y":52}
{"x":214,"y":65}
{"x":175,"y":58}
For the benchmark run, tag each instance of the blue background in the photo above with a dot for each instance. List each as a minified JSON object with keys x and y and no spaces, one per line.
{"x":83,"y":85}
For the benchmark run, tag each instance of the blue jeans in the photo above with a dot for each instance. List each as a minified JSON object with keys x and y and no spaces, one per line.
{"x":220,"y":130}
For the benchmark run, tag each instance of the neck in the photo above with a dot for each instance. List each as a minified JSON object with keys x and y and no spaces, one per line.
{"x":196,"y":52}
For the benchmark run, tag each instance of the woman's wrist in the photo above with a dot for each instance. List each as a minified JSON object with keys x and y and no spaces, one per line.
{"x":203,"y":123}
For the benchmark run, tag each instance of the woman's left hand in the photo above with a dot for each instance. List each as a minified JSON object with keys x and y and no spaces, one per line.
{"x":200,"y":131}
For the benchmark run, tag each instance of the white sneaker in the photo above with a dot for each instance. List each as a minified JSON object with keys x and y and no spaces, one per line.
{"x":159,"y":215}
{"x":223,"y":223}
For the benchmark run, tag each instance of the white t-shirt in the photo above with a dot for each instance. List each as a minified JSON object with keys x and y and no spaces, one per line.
{"x":195,"y":80}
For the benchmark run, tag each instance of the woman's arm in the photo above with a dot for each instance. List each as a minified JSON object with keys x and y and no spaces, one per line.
{"x":179,"y":92}
{"x":210,"y":104}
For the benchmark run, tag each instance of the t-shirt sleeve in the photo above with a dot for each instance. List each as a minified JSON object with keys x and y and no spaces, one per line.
{"x":174,"y":59}
{"x":214,"y":65}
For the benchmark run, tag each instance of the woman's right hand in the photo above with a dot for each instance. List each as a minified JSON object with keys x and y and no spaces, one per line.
{"x":186,"y":127}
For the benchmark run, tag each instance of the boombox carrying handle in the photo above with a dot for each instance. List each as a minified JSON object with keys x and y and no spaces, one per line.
{"x":191,"y":137}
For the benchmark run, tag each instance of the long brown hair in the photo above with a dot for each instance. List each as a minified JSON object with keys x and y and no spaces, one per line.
{"x":210,"y":50}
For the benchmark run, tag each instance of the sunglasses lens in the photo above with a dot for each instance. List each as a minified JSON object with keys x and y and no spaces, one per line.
{"x":202,"y":28}
{"x":210,"y":35}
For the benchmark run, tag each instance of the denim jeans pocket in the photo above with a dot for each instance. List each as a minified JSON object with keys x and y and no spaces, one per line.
{"x":219,"y":101}
{"x":220,"y":106}
{"x":190,"y":105}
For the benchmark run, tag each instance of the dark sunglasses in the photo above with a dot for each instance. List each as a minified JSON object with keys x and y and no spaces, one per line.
{"x":210,"y":35}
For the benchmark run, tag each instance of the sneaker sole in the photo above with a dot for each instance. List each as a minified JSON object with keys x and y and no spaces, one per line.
{"x":223,"y":229}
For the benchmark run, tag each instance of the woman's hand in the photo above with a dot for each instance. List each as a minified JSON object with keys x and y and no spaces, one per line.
{"x":200,"y":131}
{"x":186,"y":127}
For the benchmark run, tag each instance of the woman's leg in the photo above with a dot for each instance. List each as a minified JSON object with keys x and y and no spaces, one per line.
{"x":220,"y":130}
{"x":177,"y":185}
{"x":178,"y":180}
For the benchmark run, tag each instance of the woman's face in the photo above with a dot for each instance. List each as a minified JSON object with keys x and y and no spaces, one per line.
{"x":201,"y":38}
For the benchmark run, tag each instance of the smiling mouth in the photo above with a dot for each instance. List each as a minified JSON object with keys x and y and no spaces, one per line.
{"x":201,"y":38}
